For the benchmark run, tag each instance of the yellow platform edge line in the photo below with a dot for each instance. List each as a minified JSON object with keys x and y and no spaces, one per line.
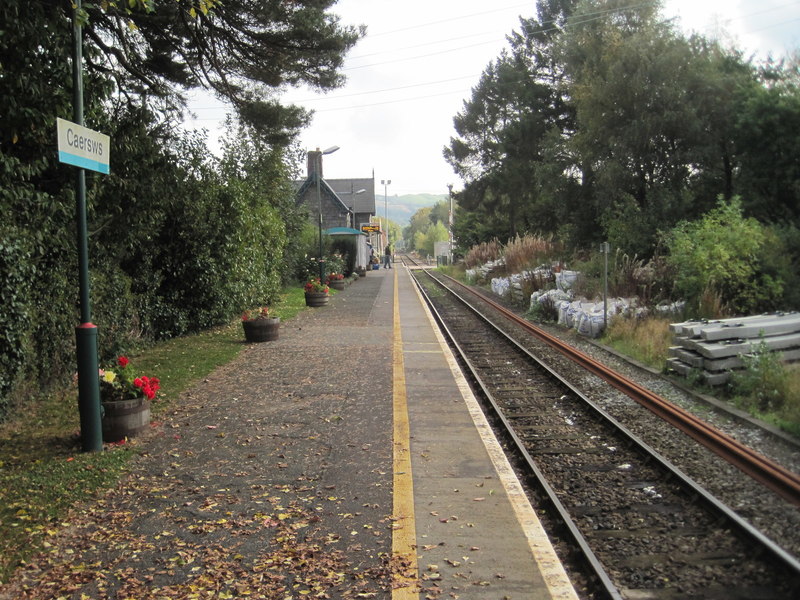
{"x":555,"y":577}
{"x":404,"y":528}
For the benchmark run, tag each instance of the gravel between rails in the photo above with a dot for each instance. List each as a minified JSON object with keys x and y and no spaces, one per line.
{"x":770,"y":514}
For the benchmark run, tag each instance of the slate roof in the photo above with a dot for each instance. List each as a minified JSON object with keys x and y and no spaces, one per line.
{"x":325,"y":189}
{"x":344,"y":190}
{"x":358,"y":203}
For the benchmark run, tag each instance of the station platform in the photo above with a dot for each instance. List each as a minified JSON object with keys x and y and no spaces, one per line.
{"x":472,"y":518}
{"x":346,"y":459}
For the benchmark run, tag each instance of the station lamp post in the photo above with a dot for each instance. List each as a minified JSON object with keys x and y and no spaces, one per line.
{"x":385,"y":183}
{"x":353,"y":192}
{"x":320,"y":259}
{"x":450,"y":219}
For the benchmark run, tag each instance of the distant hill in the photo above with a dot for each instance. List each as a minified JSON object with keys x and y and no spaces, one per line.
{"x":401,"y":208}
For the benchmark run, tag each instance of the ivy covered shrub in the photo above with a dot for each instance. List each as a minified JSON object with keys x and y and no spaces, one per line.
{"x":16,"y":273}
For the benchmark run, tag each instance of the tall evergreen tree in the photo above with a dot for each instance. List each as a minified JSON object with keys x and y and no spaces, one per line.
{"x":242,"y":50}
{"x":503,"y":128}
{"x":767,"y":119}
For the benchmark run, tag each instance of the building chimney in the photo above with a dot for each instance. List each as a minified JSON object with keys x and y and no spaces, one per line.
{"x":314,"y":163}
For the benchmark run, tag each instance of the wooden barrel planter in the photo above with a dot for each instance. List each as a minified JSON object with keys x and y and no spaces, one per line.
{"x":124,"y":418}
{"x":261,"y":330}
{"x":337,"y":284}
{"x":316,"y":299}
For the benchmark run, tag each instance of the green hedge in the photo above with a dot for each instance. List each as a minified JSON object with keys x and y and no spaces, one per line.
{"x":178,"y":242}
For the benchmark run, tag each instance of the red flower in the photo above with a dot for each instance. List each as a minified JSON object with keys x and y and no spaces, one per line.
{"x":125,"y":384}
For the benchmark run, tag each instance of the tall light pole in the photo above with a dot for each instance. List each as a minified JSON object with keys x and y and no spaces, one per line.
{"x":385,"y":183}
{"x":450,"y":219}
{"x":320,"y":259}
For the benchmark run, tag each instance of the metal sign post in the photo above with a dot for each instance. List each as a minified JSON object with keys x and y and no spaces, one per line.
{"x":77,"y":146}
{"x":605,"y":249}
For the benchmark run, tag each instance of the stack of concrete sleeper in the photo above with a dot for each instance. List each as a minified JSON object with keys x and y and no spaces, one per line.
{"x":716,"y":347}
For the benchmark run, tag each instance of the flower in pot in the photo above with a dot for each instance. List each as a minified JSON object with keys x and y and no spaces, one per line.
{"x":125,"y":398}
{"x":316,"y":292}
{"x":121,"y":382}
{"x":336,"y":281}
{"x":259,"y":325}
{"x":315,"y":286}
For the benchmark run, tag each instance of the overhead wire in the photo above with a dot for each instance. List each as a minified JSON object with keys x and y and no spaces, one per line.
{"x":449,"y":20}
{"x":585,"y":18}
{"x":589,"y":17}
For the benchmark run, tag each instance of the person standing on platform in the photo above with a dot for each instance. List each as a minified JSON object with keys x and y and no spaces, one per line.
{"x":387,"y":257}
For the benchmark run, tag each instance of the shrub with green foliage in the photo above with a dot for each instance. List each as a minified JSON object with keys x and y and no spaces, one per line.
{"x":762,"y":386}
{"x":179,"y":242}
{"x":719,"y":253}
{"x":544,"y":311}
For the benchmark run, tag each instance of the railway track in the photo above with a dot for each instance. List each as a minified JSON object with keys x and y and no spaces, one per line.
{"x":637,"y":525}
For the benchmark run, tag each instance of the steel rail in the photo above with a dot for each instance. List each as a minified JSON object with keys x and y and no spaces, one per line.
{"x":783,"y":482}
{"x":592,"y":562}
{"x":702,"y":495}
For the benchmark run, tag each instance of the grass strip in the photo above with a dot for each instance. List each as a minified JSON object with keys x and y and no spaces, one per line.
{"x":43,"y":473}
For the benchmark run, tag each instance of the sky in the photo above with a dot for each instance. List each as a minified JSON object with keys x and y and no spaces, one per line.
{"x":410,"y":75}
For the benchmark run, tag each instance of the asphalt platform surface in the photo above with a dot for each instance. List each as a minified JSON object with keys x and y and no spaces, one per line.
{"x":273,"y":478}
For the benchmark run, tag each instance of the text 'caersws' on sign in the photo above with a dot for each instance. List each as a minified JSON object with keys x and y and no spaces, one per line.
{"x":83,"y":147}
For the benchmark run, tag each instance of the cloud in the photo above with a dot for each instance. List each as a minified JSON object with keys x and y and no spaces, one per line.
{"x":409,"y":77}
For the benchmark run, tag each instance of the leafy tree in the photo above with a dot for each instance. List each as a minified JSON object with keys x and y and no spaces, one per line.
{"x":781,"y":259}
{"x":440,"y":213}
{"x":638,"y":124}
{"x":469,"y":230}
{"x":723,"y":79}
{"x":419,"y":221}
{"x":424,"y":241}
